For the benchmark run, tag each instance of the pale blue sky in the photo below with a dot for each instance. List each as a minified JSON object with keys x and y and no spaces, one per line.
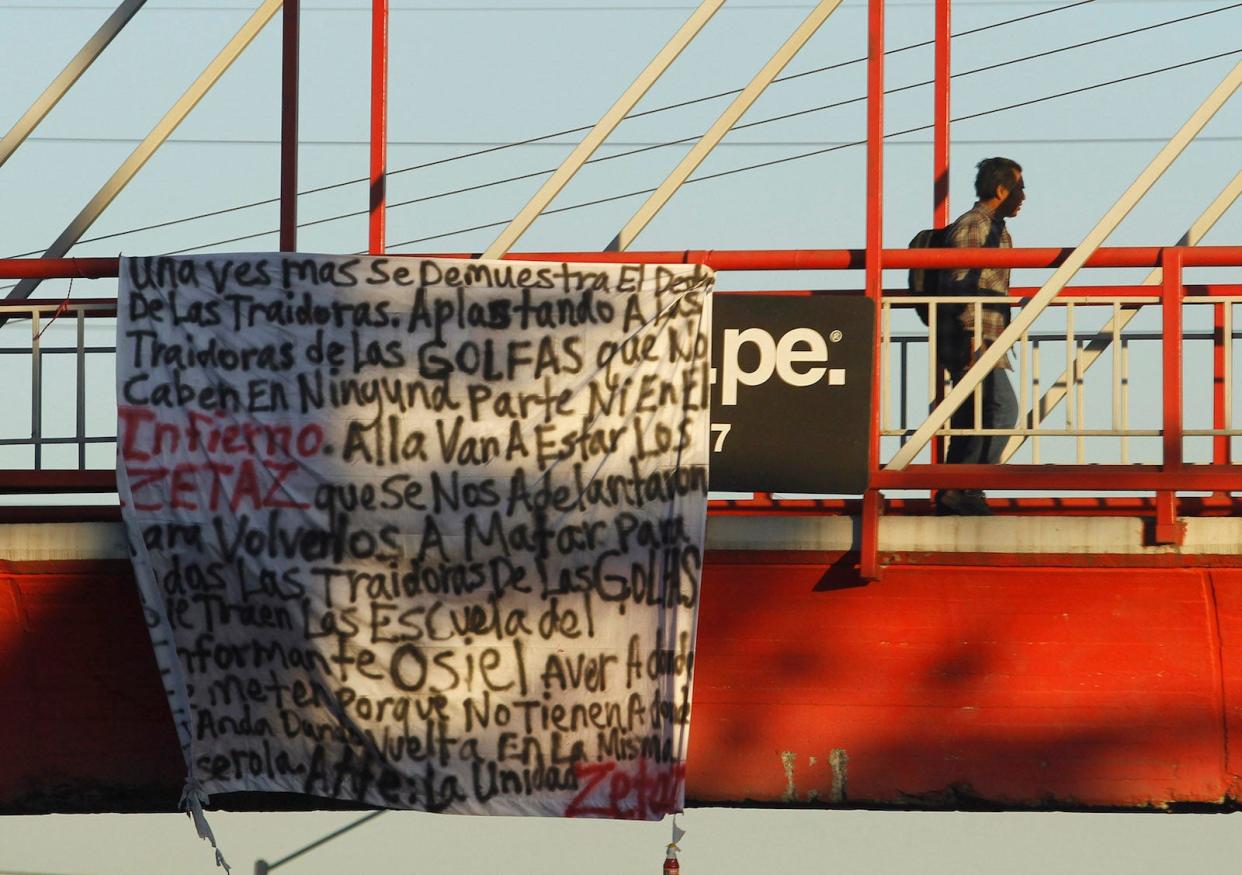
{"x":501,"y":71}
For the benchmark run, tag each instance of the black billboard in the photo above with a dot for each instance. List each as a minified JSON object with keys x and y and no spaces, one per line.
{"x":791,"y":392}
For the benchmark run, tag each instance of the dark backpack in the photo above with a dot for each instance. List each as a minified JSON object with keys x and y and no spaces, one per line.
{"x":926,"y":281}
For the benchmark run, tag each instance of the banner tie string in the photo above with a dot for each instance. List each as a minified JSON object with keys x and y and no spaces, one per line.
{"x":60,"y":311}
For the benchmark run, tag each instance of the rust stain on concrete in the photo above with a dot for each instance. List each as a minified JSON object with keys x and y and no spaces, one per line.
{"x":839,"y":760}
{"x":838,"y":784}
{"x":788,"y":758}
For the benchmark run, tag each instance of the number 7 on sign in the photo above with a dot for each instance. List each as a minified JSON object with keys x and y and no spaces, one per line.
{"x":721,"y":429}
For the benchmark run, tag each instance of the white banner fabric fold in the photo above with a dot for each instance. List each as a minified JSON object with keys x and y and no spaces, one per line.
{"x":420,"y":533}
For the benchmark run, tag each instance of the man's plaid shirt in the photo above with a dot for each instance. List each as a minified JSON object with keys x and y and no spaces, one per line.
{"x":975,"y":229}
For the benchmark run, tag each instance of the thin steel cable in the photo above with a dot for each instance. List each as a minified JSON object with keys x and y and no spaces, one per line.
{"x":816,"y":152}
{"x":774,"y":162}
{"x":543,"y":137}
{"x":1011,"y":141}
{"x":776,"y":118}
{"x":506,"y":180}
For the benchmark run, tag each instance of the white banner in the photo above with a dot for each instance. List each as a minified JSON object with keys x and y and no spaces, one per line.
{"x":420,"y":533}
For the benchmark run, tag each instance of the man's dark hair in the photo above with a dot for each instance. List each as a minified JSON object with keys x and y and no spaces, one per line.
{"x":994,"y":172}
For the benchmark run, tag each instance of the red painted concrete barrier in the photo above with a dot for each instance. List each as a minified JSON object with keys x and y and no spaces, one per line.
{"x":940,"y":686}
{"x":1015,"y":688}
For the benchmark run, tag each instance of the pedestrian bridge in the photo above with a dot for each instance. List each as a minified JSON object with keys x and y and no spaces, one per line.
{"x":1082,"y":648}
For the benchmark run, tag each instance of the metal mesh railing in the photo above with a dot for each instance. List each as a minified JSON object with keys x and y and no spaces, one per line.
{"x":1083,"y":378}
{"x":1095,"y":370}
{"x":57,"y":398}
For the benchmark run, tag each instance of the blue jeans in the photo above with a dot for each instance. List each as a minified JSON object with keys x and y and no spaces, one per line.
{"x":1000,"y":410}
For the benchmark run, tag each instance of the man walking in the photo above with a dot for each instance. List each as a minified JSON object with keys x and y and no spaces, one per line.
{"x":964,"y":331}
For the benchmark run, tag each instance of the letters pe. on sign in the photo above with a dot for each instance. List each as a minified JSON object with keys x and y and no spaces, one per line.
{"x":420,"y":533}
{"x":791,"y":393}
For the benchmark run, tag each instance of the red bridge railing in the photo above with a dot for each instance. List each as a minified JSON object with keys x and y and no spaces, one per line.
{"x":1165,"y":474}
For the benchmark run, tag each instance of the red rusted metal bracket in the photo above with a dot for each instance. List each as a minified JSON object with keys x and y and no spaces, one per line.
{"x":1167,"y":529}
{"x":750,"y":259}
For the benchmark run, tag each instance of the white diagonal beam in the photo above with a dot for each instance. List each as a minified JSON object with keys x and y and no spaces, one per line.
{"x":51,"y":95}
{"x":1028,"y":314}
{"x":603,"y":128}
{"x":722,"y":125}
{"x":1104,"y":337}
{"x":162,"y":130}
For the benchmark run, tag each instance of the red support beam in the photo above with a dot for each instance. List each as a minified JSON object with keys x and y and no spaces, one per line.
{"x":1082,"y":296}
{"x":1217,"y":504}
{"x":875,"y":149}
{"x":873,"y":502}
{"x":940,"y":137}
{"x":1100,"y":478}
{"x":1095,"y":478}
{"x":1171,"y":309}
{"x":290,"y":13}
{"x":748,"y":259}
{"x":53,"y":481}
{"x":102,"y":308}
{"x":940,"y":157}
{"x":894,"y":259}
{"x":47,"y":268}
{"x":379,"y":125}
{"x":1167,"y":529}
{"x":1092,"y":478}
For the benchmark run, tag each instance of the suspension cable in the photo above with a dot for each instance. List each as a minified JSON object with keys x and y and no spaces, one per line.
{"x":542,"y":137}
